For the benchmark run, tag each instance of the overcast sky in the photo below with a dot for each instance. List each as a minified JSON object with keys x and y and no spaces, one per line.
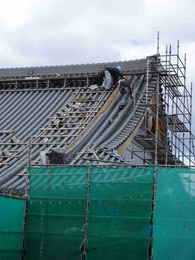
{"x":55,"y":32}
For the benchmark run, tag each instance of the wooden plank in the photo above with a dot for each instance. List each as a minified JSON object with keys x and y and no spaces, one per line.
{"x":82,"y":112}
{"x":7,"y":131}
{"x":52,"y":143}
{"x":69,"y":123}
{"x":56,"y":129}
{"x":63,"y":117}
{"x":30,"y":89}
{"x":13,"y":143}
{"x":45,"y":136}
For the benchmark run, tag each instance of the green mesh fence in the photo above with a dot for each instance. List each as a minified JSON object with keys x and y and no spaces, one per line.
{"x":55,"y":213}
{"x":11,"y":228}
{"x":174,"y":215}
{"x":120,"y":213}
{"x":96,"y":213}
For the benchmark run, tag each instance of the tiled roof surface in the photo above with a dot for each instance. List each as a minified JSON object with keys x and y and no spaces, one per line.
{"x":83,"y":128}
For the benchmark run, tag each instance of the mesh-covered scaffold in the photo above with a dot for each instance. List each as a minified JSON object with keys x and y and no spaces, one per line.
{"x":11,"y":228}
{"x":89,"y":212}
{"x":174,"y":214}
{"x":102,"y":213}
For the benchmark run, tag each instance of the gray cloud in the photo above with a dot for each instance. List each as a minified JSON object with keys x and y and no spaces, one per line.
{"x":54,"y":32}
{"x":79,"y":31}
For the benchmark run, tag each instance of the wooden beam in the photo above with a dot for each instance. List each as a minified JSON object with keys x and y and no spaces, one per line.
{"x":7,"y":132}
{"x":62,"y":128}
{"x":13,"y":143}
{"x":45,"y":136}
{"x":63,"y":117}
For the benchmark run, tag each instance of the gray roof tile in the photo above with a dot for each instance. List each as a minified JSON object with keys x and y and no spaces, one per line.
{"x":28,"y":111}
{"x":126,"y":66}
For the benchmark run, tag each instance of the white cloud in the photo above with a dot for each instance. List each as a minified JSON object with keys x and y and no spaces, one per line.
{"x":15,"y":13}
{"x":47,"y":32}
{"x":34,"y":28}
{"x":58,"y":32}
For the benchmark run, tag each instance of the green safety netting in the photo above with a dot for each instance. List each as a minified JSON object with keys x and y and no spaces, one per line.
{"x":174,"y":214}
{"x":107,"y":209}
{"x":11,"y":228}
{"x":120,"y":213}
{"x":55,"y":213}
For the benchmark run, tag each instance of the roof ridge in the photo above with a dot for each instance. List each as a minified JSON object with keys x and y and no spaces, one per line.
{"x":71,"y":64}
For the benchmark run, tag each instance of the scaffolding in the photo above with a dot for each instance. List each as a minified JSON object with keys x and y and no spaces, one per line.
{"x":171,"y":142}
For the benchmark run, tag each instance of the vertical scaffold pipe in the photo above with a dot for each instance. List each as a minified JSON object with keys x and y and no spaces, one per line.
{"x":157,"y":120}
{"x":84,"y":243}
{"x":147,"y":78}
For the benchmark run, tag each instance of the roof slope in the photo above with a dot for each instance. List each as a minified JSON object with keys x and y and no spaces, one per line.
{"x":87,"y":124}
